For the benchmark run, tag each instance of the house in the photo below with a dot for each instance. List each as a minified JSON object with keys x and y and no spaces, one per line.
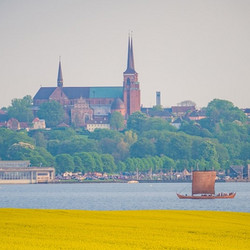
{"x":182,"y":110}
{"x":38,"y":123}
{"x":165,"y":113}
{"x":197,"y":115}
{"x":177,"y":123}
{"x":101,"y":123}
{"x":13,"y":124}
{"x":236,"y":171}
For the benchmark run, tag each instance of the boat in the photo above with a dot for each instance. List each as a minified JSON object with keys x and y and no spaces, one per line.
{"x":133,"y":182}
{"x":203,"y":183}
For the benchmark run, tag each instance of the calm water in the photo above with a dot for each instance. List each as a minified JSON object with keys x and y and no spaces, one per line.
{"x":120,"y":196}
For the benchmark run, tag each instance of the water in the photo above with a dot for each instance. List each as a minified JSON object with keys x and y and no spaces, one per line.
{"x":120,"y":196}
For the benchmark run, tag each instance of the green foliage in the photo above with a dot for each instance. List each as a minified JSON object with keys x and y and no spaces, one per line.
{"x":9,"y":137}
{"x":99,"y":134}
{"x":222,"y":110}
{"x":20,"y":109}
{"x":52,"y":112}
{"x":142,"y":148}
{"x":130,"y":137}
{"x":71,"y":146}
{"x":136,"y":121}
{"x":157,"y":124}
{"x":88,"y":161}
{"x":78,"y":164}
{"x":220,"y":140}
{"x":117,"y":121}
{"x":108,"y":163}
{"x":64,"y":163}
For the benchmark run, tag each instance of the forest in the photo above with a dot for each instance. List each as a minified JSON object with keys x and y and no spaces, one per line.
{"x":216,"y":142}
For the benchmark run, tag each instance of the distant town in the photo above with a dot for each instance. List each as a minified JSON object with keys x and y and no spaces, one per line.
{"x":81,"y":134}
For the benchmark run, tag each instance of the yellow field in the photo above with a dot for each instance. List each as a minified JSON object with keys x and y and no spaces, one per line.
{"x":67,"y":229}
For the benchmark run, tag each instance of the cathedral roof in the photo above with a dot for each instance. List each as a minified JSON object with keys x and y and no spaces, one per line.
{"x":44,"y":92}
{"x":84,"y":92}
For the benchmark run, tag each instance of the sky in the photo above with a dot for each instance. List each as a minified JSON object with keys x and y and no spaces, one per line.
{"x":194,"y":50}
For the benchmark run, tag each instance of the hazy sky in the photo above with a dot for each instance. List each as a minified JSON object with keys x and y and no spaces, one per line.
{"x":188,"y":49}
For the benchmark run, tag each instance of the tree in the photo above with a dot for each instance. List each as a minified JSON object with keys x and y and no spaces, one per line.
{"x":116,"y":121}
{"x":21,"y":109}
{"x":64,"y":163}
{"x":108,"y":163}
{"x":222,"y":110}
{"x":168,"y":163}
{"x":98,"y":162}
{"x":121,"y":166}
{"x":88,"y":161}
{"x":52,"y":112}
{"x":180,"y":147}
{"x":157,"y":124}
{"x":78,"y":164}
{"x":130,"y":137}
{"x":99,"y":134}
{"x":136,"y":121}
{"x":142,"y":148}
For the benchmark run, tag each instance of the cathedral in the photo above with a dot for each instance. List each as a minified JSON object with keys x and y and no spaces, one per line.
{"x":88,"y":104}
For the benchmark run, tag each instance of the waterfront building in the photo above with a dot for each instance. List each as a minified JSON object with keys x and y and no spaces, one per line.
{"x":20,"y":172}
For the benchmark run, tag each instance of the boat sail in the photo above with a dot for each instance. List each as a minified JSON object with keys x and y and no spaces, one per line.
{"x":203,"y":184}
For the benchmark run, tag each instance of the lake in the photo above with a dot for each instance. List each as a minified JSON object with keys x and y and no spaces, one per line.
{"x":120,"y":196}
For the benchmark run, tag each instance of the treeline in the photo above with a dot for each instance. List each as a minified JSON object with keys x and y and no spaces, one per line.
{"x":218,"y":141}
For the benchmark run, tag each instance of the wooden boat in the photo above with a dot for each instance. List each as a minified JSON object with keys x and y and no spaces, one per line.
{"x":203,"y":183}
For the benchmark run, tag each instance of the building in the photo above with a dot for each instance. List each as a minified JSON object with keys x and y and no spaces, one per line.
{"x":101,"y":123}
{"x":20,"y":172}
{"x":38,"y":123}
{"x":88,"y":103}
{"x":158,"y":98}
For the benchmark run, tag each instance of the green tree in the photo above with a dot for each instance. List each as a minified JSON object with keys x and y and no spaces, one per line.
{"x":21,"y":109}
{"x":39,"y":138}
{"x":52,"y":112}
{"x":78,"y":164}
{"x":130,"y":137}
{"x":99,"y":134}
{"x":180,"y":147}
{"x":222,"y":110}
{"x":108,"y":163}
{"x":98,"y":162}
{"x":168,"y":163}
{"x":142,"y":148}
{"x":121,"y":166}
{"x":87,"y":160}
{"x":64,"y":163}
{"x":157,"y":124}
{"x":116,"y":121}
{"x":136,"y":121}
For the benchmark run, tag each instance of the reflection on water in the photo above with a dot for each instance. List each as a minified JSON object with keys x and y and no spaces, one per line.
{"x":120,"y":196}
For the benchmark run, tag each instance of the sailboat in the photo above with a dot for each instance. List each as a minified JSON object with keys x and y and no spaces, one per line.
{"x":203,"y":183}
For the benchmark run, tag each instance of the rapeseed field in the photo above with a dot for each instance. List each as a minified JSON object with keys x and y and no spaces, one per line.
{"x":72,"y":229}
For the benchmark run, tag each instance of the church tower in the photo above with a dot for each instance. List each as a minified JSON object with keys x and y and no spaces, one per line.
{"x":131,"y":87}
{"x":59,"y":77}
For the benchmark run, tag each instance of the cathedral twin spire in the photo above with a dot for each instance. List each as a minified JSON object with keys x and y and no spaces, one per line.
{"x":130,"y":63}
